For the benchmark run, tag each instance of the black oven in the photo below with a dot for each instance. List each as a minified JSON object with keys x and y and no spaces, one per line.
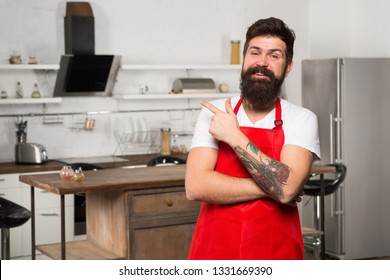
{"x":80,"y":226}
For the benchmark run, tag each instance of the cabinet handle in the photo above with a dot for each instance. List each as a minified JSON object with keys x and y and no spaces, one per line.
{"x":2,"y":194}
{"x":2,"y":180}
{"x":49,"y":214}
{"x":168,"y":202}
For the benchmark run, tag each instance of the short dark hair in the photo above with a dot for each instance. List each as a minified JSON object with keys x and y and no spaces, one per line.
{"x":273,"y":27}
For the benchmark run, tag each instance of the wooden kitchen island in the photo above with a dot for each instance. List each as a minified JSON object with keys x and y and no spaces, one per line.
{"x":134,"y":213}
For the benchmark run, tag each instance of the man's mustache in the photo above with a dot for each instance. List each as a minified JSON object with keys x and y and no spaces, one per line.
{"x":260,"y":69}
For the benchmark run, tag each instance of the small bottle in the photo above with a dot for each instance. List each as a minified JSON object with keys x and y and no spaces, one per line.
{"x":235,"y":52}
{"x":78,"y":175}
{"x":165,"y":141}
{"x":36,"y":93}
{"x":19,"y":90}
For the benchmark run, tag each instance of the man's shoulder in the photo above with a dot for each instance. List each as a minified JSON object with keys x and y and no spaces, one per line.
{"x":294,"y":109}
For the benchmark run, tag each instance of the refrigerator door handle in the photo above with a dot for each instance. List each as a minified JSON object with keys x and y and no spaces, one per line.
{"x":331,"y":147}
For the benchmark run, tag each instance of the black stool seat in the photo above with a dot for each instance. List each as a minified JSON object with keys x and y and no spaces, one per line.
{"x":160,"y":160}
{"x":12,"y":215}
{"x":312,"y":187}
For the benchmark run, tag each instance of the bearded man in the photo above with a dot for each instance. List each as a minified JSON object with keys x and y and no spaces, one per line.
{"x":250,"y":156}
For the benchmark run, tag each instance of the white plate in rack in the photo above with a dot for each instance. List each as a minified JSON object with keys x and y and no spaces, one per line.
{"x":133,"y":131}
{"x":143,"y":127}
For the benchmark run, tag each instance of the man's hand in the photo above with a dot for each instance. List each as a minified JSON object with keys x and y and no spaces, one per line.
{"x":223,"y":125}
{"x":296,"y":200}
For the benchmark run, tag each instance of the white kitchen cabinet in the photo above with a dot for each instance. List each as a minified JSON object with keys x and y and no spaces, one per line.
{"x":47,"y":214}
{"x":10,"y":189}
{"x":48,"y":220}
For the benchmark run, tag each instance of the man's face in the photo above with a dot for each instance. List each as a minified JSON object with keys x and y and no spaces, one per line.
{"x":264,"y":70}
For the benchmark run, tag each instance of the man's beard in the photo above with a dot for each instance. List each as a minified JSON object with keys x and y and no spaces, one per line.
{"x":260,"y":93}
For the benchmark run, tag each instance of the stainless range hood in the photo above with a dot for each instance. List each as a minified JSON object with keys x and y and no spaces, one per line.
{"x":86,"y":75}
{"x":82,"y":73}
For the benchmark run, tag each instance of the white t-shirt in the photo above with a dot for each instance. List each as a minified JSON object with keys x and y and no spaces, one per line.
{"x":299,"y":124}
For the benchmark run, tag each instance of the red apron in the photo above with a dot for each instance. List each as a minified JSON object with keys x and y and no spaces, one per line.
{"x":260,"y":229}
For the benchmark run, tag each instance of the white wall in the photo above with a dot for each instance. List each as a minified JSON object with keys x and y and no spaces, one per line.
{"x":168,"y":32}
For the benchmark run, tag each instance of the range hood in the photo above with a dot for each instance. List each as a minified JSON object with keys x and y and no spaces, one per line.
{"x":82,"y":72}
{"x":86,"y":75}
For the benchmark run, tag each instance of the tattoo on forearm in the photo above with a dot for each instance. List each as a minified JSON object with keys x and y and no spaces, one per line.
{"x":271,"y":176}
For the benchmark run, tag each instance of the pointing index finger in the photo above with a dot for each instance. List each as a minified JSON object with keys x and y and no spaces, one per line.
{"x":210,"y":106}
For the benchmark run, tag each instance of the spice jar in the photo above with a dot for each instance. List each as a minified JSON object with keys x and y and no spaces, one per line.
{"x":165,"y":141}
{"x":235,"y":52}
{"x":78,"y":175}
{"x":66,"y":173}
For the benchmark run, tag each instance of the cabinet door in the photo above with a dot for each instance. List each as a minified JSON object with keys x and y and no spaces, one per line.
{"x":14,"y":195}
{"x":48,"y":228}
{"x":162,"y":243}
{"x":10,"y":189}
{"x":161,"y":224}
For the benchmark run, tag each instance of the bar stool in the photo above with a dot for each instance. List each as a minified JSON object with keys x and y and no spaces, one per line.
{"x":313,"y":188}
{"x":161,"y":160}
{"x":312,"y":239}
{"x":11,"y":215}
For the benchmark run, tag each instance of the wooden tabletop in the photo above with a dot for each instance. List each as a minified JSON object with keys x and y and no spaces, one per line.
{"x":322,"y":169}
{"x":113,"y":179}
{"x":122,"y":179}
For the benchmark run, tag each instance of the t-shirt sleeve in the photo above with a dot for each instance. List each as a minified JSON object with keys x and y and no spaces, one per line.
{"x":202,"y":136}
{"x":303,"y":132}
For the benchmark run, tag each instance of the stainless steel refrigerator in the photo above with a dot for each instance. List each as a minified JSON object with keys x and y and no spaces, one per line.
{"x":351,"y":97}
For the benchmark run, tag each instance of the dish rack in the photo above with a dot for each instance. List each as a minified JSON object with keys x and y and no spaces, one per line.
{"x":128,"y":140}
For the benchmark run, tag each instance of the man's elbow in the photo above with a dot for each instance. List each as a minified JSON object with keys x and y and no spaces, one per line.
{"x":190,"y":190}
{"x":191,"y":195}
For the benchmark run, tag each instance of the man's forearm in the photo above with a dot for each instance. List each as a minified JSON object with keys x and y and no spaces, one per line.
{"x":269,"y":174}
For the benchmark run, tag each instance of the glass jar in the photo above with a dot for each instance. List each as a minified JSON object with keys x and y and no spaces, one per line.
{"x":165,"y":141}
{"x":66,"y":173}
{"x":78,"y":175}
{"x":235,"y":52}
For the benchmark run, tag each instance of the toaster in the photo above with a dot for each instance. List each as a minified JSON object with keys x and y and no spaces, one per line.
{"x":30,"y":153}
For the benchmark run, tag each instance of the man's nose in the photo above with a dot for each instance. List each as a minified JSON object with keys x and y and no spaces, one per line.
{"x":262,"y":61}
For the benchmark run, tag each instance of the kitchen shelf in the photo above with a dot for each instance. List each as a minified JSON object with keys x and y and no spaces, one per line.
{"x":78,"y":250}
{"x":180,"y":67}
{"x":175,"y":96}
{"x":29,"y":66}
{"x":30,"y":100}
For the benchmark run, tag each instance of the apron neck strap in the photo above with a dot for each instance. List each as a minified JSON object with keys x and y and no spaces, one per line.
{"x":278,"y":112}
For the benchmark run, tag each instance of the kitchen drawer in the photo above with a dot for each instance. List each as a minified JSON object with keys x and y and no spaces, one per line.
{"x":161,"y":203}
{"x":44,"y":199}
{"x":48,"y":221}
{"x":9,"y":180}
{"x":12,"y":194}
